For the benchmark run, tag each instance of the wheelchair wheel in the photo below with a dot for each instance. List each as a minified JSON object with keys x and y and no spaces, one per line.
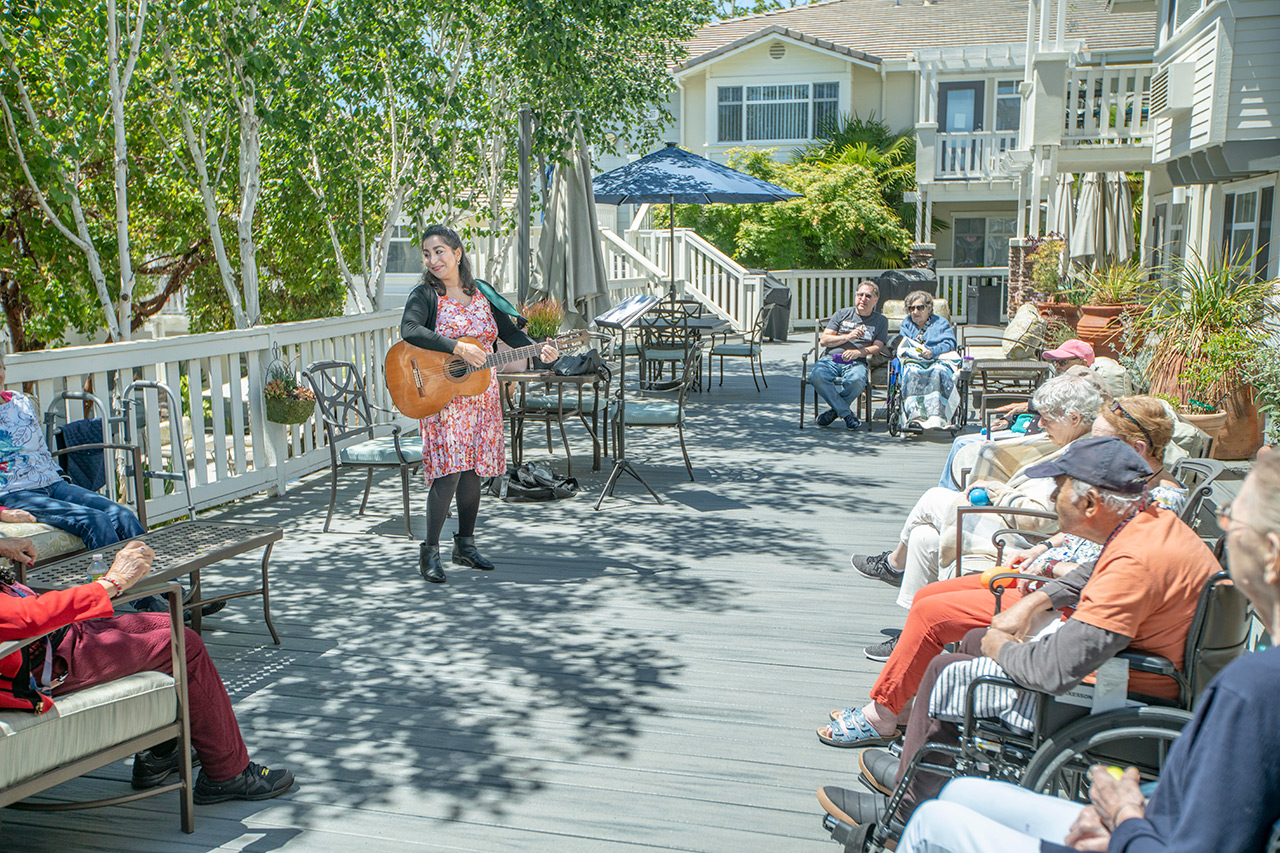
{"x":1141,"y":737}
{"x":893,"y":414}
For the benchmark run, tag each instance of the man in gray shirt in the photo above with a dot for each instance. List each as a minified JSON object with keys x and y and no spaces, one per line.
{"x":851,"y":336}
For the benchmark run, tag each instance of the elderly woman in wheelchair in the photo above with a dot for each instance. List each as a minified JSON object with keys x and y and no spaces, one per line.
{"x":923,"y":389}
{"x":1156,"y":591}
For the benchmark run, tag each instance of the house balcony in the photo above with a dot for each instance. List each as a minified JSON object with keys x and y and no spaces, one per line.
{"x":972,"y":156}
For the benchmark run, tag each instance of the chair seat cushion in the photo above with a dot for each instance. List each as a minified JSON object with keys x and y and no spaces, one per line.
{"x":83,"y":723}
{"x":664,"y":355}
{"x":50,"y":541}
{"x":551,"y":402}
{"x":381,"y":451}
{"x":736,"y":349}
{"x":655,"y":413}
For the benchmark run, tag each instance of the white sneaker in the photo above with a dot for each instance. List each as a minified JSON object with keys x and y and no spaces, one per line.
{"x":935,"y":422}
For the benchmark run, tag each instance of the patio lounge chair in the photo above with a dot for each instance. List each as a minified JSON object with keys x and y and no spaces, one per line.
{"x":100,"y":725}
{"x":347,"y":414}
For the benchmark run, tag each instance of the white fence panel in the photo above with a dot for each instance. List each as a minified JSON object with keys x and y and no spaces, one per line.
{"x":230,"y":448}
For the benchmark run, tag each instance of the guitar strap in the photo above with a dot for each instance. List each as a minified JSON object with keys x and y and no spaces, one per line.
{"x":498,"y":301}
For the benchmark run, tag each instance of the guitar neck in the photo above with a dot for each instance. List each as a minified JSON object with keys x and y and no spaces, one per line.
{"x":497,"y":358}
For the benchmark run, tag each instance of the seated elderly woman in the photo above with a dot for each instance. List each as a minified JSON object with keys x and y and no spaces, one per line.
{"x":943,"y":612}
{"x":1067,"y":405}
{"x":1219,"y":789}
{"x":89,"y":645}
{"x":929,"y":398}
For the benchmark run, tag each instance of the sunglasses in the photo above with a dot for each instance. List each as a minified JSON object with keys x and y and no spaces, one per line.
{"x":918,"y":308}
{"x":1119,"y":410}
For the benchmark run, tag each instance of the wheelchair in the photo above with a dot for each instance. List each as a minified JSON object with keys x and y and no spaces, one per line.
{"x":894,"y":411}
{"x":1054,"y":758}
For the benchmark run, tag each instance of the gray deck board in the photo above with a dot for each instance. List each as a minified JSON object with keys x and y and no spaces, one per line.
{"x":644,"y":677}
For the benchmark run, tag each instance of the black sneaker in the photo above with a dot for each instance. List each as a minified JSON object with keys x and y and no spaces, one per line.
{"x":827,"y":418}
{"x":880,"y":651}
{"x":151,"y":770}
{"x":255,"y":782}
{"x":876,"y":567}
{"x":851,"y":421}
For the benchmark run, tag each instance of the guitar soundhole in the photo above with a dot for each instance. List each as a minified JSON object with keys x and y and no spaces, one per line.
{"x":456,"y":369}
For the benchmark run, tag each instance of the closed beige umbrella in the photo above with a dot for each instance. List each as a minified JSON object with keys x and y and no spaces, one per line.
{"x":1063,"y":215}
{"x":570,"y":261}
{"x":1089,"y":222}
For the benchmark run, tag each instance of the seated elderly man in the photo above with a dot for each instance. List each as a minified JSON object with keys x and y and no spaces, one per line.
{"x":1220,"y":788}
{"x":89,"y":645}
{"x":1140,"y":594}
{"x":851,"y":336}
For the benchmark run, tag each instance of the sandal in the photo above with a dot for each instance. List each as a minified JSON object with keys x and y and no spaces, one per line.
{"x":852,"y":730}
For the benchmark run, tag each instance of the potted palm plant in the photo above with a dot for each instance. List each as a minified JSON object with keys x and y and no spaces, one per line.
{"x":1200,"y":333}
{"x":1109,"y":293}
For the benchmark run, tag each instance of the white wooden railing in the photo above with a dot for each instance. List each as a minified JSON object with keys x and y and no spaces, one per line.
{"x":817,"y":294}
{"x":239,"y":453}
{"x":1108,"y":106}
{"x":972,"y":155}
{"x":704,"y":273}
{"x":629,"y":271}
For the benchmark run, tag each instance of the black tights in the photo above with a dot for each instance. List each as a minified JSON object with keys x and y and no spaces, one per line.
{"x":467,"y":487}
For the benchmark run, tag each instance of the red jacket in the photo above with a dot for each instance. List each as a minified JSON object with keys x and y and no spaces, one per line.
{"x":24,"y":614}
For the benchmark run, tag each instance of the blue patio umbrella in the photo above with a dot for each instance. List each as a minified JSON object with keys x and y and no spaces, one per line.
{"x":673,"y":176}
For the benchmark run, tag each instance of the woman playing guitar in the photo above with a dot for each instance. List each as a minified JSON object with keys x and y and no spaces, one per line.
{"x":463,"y":442}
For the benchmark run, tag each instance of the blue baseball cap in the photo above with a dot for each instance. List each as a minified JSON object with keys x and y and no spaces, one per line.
{"x":1107,"y":463}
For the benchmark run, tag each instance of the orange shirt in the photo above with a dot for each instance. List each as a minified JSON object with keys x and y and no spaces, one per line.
{"x":1145,"y":586}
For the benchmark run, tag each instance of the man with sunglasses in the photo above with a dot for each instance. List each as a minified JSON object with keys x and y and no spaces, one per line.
{"x":851,"y":336}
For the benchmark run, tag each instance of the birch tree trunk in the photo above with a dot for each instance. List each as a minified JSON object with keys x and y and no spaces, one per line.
{"x":118,"y":82}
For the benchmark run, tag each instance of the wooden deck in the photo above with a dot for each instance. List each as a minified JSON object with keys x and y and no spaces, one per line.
{"x":643,"y":677}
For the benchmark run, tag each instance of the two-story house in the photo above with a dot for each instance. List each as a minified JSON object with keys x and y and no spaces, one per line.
{"x":955,"y":72}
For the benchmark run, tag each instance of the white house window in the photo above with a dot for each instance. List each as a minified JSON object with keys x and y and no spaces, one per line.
{"x":826,"y":108}
{"x":1008,"y":105}
{"x":1246,"y":226}
{"x":403,"y":255}
{"x":775,"y":112}
{"x":982,"y":241}
{"x":1180,"y":11}
{"x":730,"y":108}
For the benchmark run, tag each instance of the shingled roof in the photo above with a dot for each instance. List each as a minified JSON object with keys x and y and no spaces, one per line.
{"x":894,"y":29}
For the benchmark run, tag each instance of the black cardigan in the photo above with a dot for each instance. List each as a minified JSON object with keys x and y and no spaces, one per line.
{"x":418,"y":325}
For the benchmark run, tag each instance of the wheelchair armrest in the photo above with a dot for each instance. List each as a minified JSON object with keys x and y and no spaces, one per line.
{"x":997,"y":539}
{"x":1153,"y":664}
{"x":962,"y":511}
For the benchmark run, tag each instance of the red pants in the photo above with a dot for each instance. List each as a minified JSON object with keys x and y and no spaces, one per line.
{"x":101,"y":650}
{"x":941,"y":613}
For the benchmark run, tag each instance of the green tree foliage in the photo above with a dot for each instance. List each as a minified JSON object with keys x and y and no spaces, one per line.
{"x":844,"y":220}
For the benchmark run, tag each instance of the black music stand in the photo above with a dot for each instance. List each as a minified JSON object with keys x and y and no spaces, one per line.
{"x":623,"y":316}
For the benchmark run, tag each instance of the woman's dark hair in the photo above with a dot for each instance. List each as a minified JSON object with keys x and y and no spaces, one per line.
{"x":453,"y":241}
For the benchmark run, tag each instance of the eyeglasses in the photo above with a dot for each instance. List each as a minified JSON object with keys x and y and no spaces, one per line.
{"x":864,"y":296}
{"x":1119,"y":410}
{"x":918,"y":308}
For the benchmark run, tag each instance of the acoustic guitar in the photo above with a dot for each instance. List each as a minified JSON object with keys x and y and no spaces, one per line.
{"x":422,"y":382}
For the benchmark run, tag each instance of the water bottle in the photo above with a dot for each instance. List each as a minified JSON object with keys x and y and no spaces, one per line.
{"x":97,"y":568}
{"x":978,"y":497}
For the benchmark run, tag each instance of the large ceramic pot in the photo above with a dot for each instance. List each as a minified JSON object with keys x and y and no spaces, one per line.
{"x":1099,"y":327}
{"x":1240,"y":435}
{"x":1211,"y":425}
{"x":1059,"y":311}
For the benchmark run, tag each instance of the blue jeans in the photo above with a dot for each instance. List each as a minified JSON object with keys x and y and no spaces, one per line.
{"x":97,"y":520}
{"x":839,"y":383}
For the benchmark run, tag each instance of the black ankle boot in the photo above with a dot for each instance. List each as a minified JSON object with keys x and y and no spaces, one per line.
{"x":429,"y":563}
{"x":465,"y":553}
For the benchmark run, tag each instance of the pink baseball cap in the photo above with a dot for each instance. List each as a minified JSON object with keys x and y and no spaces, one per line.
{"x":1073,"y":348}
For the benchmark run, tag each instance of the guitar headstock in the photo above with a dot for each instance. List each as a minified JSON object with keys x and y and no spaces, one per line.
{"x":571,"y":340}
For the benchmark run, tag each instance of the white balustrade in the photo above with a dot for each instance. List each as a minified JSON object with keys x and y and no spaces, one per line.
{"x":973,"y":155}
{"x":1108,"y":105}
{"x":234,"y":451}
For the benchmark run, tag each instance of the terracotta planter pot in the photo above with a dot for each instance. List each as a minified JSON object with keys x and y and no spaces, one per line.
{"x":1063,"y":311}
{"x":1099,"y":327}
{"x":1241,"y":433}
{"x":1209,"y":424}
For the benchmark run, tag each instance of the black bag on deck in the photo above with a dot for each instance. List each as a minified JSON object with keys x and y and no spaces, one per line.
{"x":531,"y":481}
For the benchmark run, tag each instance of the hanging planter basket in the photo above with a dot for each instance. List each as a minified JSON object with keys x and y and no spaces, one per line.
{"x":289,"y":411}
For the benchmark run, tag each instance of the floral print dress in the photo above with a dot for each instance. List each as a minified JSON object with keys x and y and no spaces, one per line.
{"x":465,"y":435}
